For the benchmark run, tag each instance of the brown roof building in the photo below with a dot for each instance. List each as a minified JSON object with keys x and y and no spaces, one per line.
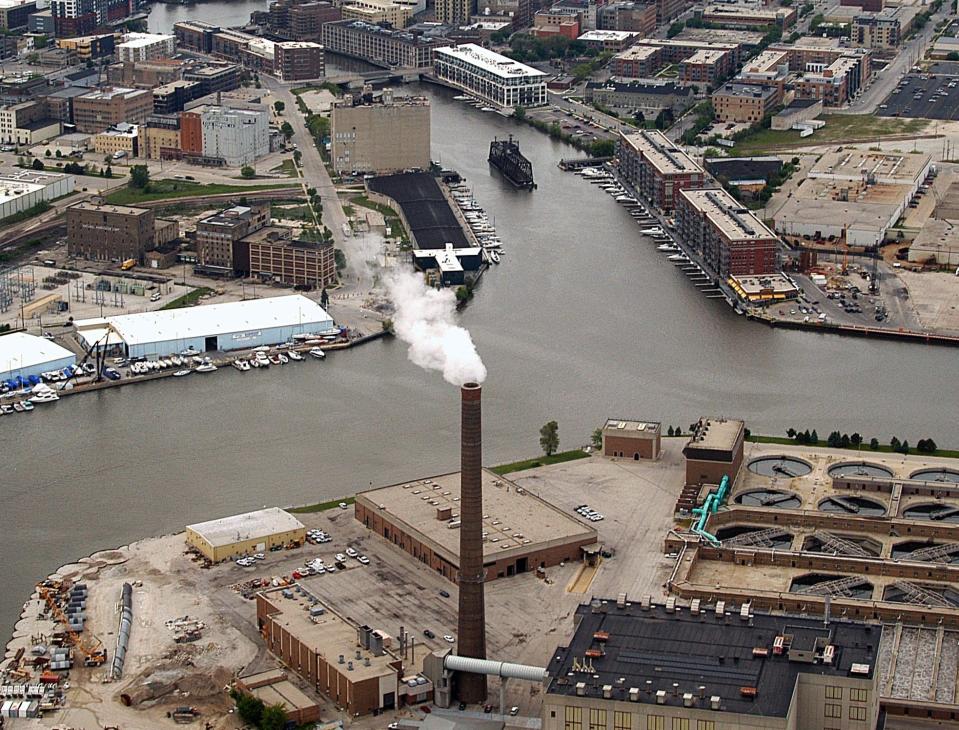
{"x":109,"y":232}
{"x":632,"y":439}
{"x":271,"y":254}
{"x":715,"y":450}
{"x":216,"y":236}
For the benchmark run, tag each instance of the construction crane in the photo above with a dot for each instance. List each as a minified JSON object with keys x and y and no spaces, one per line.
{"x":95,"y":351}
{"x":94,"y":655}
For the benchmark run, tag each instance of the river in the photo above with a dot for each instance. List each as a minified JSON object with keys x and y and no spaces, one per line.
{"x":582,"y":320}
{"x":226,"y":14}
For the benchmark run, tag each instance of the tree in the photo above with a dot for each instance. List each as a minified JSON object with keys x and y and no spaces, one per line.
{"x":549,"y":438}
{"x":903,"y":447}
{"x":675,"y":29}
{"x":814,"y":437}
{"x":894,"y":443}
{"x":108,"y":172}
{"x":59,"y":154}
{"x":678,"y":431}
{"x":279,"y":106}
{"x":140,"y":177}
{"x":952,"y":56}
{"x":844,"y":441}
{"x":297,"y":156}
{"x":37,"y":165}
{"x":856,"y":439}
{"x":791,"y":433}
{"x":832,"y":440}
{"x":324,"y":299}
{"x":287,"y":130}
{"x":274,"y":716}
{"x":520,"y":113}
{"x":670,"y":432}
{"x":247,"y":172}
{"x":926,"y":446}
{"x":596,"y":438}
{"x":48,"y":153}
{"x":874,"y":444}
{"x":249,"y":708}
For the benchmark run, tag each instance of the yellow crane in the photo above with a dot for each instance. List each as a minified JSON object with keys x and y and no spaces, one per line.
{"x":94,"y":655}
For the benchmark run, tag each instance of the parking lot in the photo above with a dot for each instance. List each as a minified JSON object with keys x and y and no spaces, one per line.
{"x":933,"y":95}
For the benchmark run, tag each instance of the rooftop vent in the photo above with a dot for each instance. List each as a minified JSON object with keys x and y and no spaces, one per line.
{"x":607,"y":691}
{"x":714,"y":702}
{"x":634,"y":694}
{"x":581,"y":688}
{"x":660,"y":697}
{"x":688,"y":700}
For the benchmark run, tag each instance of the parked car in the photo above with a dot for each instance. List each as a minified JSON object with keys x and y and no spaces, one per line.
{"x":429,"y":634}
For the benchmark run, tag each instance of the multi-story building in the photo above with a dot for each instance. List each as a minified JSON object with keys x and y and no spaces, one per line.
{"x":102,"y":108}
{"x":298,"y":61}
{"x":394,"y":14}
{"x":173,"y":97}
{"x":273,"y":255}
{"x":380,"y":133}
{"x":457,"y":12}
{"x":871,"y":6}
{"x":520,"y":12}
{"x":214,"y":77}
{"x":637,"y":17}
{"x":17,"y":121}
{"x":769,"y":68}
{"x":161,"y":132}
{"x":230,"y":44}
{"x":146,"y":74}
{"x":646,"y":97}
{"x":109,"y":232}
{"x":83,"y":17}
{"x":637,"y":62}
{"x":306,"y":20}
{"x":89,"y":47}
{"x":379,"y":45}
{"x":734,"y":102}
{"x":706,"y":66}
{"x":666,"y":10}
{"x":496,"y":79}
{"x":714,"y":450}
{"x":816,"y":54}
{"x":876,"y":31}
{"x":146,"y":47}
{"x":675,"y":50}
{"x":14,"y":89}
{"x":236,"y":136}
{"x":657,"y":167}
{"x":60,"y":103}
{"x":612,"y":41}
{"x":748,"y":16}
{"x":837,"y":83}
{"x":123,"y":138}
{"x":731,"y":240}
{"x":557,"y":18}
{"x":195,"y":35}
{"x":15,"y":14}
{"x":216,"y":236}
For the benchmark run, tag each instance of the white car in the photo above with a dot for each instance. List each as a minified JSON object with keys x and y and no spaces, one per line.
{"x":343,"y":505}
{"x":363,"y":560}
{"x":448,"y":639}
{"x":352,"y":553}
{"x":339,"y":557}
{"x":330,"y":568}
{"x":260,"y":556}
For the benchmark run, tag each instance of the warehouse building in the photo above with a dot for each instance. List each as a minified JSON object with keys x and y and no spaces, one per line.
{"x":714,"y":450}
{"x":272,"y":687}
{"x":351,"y":665}
{"x":380,"y":132}
{"x":245,"y":534}
{"x":22,"y":189}
{"x":632,"y":439}
{"x":642,"y":666}
{"x":25,"y":355}
{"x":214,"y":327}
{"x":424,"y":210}
{"x":522,"y":532}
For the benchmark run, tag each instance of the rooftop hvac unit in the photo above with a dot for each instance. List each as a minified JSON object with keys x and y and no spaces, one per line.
{"x":828,"y":654}
{"x":688,"y":699}
{"x":607,"y":691}
{"x":720,"y":609}
{"x":714,"y":702}
{"x":349,"y":666}
{"x":671,"y":604}
{"x":634,"y":694}
{"x":660,"y":697}
{"x":744,"y":611}
{"x":694,"y":607}
{"x":580,"y":689}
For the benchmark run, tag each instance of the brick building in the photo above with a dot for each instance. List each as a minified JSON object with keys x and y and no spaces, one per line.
{"x":380,"y":133}
{"x":272,"y":254}
{"x":657,"y":167}
{"x":637,"y":62}
{"x":627,"y":15}
{"x":715,"y":450}
{"x":298,"y":61}
{"x":109,"y":232}
{"x":373,"y":43}
{"x":734,"y":102}
{"x":632,"y":439}
{"x":99,"y":109}
{"x":195,"y":35}
{"x":217,"y":235}
{"x":707,"y":66}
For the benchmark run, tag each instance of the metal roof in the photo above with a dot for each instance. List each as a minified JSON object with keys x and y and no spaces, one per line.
{"x":247,"y":526}
{"x":20,"y":351}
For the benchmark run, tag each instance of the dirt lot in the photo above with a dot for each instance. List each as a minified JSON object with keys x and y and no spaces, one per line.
{"x":935,"y":297}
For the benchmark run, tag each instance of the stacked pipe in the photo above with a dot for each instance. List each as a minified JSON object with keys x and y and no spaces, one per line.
{"x":123,"y":632}
{"x":76,"y":605}
{"x":471,"y":688}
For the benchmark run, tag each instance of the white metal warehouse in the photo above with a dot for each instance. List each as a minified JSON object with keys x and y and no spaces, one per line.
{"x":25,"y":355}
{"x":214,"y":327}
{"x":245,"y":534}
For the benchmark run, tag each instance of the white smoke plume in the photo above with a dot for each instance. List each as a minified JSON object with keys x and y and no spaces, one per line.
{"x":424,"y":318}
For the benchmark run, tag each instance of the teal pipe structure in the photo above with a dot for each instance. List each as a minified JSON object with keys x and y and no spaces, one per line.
{"x":714,"y":500}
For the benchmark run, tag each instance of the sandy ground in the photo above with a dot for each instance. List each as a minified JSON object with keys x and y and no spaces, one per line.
{"x":935,"y":297}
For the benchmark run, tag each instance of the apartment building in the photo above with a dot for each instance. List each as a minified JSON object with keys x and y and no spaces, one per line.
{"x":109,"y":232}
{"x":637,"y":17}
{"x":301,"y":21}
{"x":380,"y":45}
{"x":15,"y":14}
{"x":380,"y":133}
{"x":89,"y":47}
{"x":494,"y":78}
{"x":657,"y":167}
{"x":394,"y":14}
{"x":298,"y":61}
{"x":735,"y":102}
{"x":214,"y":77}
{"x":195,"y":35}
{"x":637,"y":62}
{"x":769,"y":68}
{"x":146,"y":47}
{"x":646,"y":97}
{"x":173,"y":97}
{"x":676,"y":50}
{"x":707,"y":66}
{"x":744,"y":17}
{"x":837,"y":83}
{"x":83,"y":17}
{"x":457,"y":12}
{"x":217,"y":235}
{"x":102,"y":108}
{"x":876,"y":31}
{"x":731,"y":240}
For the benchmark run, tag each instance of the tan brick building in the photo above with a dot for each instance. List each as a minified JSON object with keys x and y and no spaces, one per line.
{"x":632,"y":439}
{"x":715,"y":450}
{"x":381,"y":133}
{"x":101,"y":109}
{"x":735,"y":102}
{"x":273,"y":255}
{"x":109,"y":232}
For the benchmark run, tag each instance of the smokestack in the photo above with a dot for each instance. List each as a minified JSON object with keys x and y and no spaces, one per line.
{"x":471,"y":688}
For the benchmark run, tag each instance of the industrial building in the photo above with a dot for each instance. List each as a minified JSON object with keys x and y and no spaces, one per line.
{"x":521,"y":531}
{"x":217,"y":235}
{"x":109,"y":232}
{"x":937,"y":244}
{"x":25,"y":355}
{"x":449,"y":264}
{"x":638,"y":665}
{"x":489,"y":76}
{"x":737,"y":102}
{"x":853,"y":195}
{"x":632,"y":439}
{"x":351,"y":665}
{"x":213,"y":327}
{"x":714,"y":450}
{"x":272,"y":687}
{"x":641,"y":96}
{"x":271,"y":254}
{"x":795,"y":113}
{"x":245,"y":534}
{"x":236,"y":136}
{"x":657,"y":167}
{"x":23,"y":189}
{"x":27,"y":122}
{"x":380,"y":133}
{"x":730,"y":238}
{"x":424,"y":210}
{"x":100,"y":109}
{"x":123,"y":138}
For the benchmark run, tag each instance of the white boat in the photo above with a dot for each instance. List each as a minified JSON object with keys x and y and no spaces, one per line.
{"x":625,"y":199}
{"x":651,"y":231}
{"x":237,"y":365}
{"x":181,"y":373}
{"x":176,"y":360}
{"x":254,"y":363}
{"x":294,"y":355}
{"x":494,"y":256}
{"x":44,"y":396}
{"x":317,"y":353}
{"x":461,"y":97}
{"x":678,"y":257}
{"x":283,"y":358}
{"x":487,"y":109}
{"x":205,"y":367}
{"x":667,"y":247}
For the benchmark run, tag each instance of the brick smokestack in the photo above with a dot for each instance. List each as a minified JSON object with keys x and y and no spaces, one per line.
{"x":471,"y":688}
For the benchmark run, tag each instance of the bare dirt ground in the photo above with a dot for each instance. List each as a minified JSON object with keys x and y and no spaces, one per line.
{"x":935,"y":297}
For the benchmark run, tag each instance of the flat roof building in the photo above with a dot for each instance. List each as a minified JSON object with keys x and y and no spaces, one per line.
{"x":632,"y":439}
{"x":657,"y":167}
{"x":244,"y":534}
{"x":736,"y":102}
{"x":748,"y":16}
{"x":494,"y":78}
{"x":22,"y":189}
{"x":637,"y":62}
{"x":714,"y":450}
{"x":937,"y":244}
{"x":209,"y":328}
{"x":706,"y":66}
{"x":646,"y":97}
{"x":608,"y":40}
{"x":217,"y":235}
{"x":272,"y":687}
{"x":25,"y":355}
{"x":380,"y":133}
{"x":109,"y":232}
{"x":637,"y":664}
{"x":521,"y":531}
{"x":100,"y":109}
{"x":146,"y":47}
{"x":383,"y":46}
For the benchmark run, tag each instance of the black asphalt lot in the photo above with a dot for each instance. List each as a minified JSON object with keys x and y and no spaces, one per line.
{"x":925,"y":98}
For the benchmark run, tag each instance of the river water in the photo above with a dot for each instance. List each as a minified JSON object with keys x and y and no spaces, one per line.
{"x":583,"y":320}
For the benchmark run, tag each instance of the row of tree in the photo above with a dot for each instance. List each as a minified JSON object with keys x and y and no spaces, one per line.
{"x":839,"y":440}
{"x":253,"y":711}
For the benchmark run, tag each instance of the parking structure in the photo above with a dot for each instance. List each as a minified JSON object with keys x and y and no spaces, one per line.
{"x":931,"y":95}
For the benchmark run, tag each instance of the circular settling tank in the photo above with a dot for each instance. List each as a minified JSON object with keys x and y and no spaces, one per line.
{"x":779,"y":466}
{"x":769,"y":498}
{"x":852,"y":505}
{"x":841,"y":585}
{"x":935,"y":511}
{"x":936,"y":475}
{"x":925,"y":551}
{"x":858,"y":469}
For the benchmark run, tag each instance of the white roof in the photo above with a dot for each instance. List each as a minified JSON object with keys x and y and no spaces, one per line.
{"x":606,"y":35}
{"x":20,"y":351}
{"x":489,"y":61}
{"x":212,"y":319}
{"x":248,"y":526}
{"x":139,"y":40}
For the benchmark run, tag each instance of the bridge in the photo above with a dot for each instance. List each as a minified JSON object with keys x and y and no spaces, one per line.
{"x":357,"y":80}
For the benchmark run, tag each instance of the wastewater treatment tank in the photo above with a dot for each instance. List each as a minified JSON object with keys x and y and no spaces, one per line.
{"x":852,"y":505}
{"x":754,"y":536}
{"x":779,"y":466}
{"x":858,"y":469}
{"x":769,"y":498}
{"x":936,"y":475}
{"x":934,"y":511}
{"x":825,"y":584}
{"x":926,"y":551}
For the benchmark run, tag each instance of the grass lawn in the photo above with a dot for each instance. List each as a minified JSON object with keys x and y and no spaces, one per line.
{"x":540,"y":461}
{"x":286,"y":167}
{"x":839,"y":128}
{"x":389,"y":215}
{"x":163,"y":189}
{"x":188,"y":299}
{"x":322,"y":506}
{"x":864,"y":449}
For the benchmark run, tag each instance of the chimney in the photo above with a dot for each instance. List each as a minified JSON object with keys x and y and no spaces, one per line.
{"x":471,"y":629}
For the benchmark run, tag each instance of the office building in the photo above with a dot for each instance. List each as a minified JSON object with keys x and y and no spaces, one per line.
{"x":646,"y":97}
{"x":524,"y":532}
{"x":637,"y":17}
{"x":146,"y":47}
{"x":123,"y":138}
{"x":379,"y":45}
{"x":301,"y":21}
{"x":394,"y":14}
{"x":631,"y":439}
{"x":745,"y":17}
{"x":15,"y":14}
{"x":100,"y":109}
{"x":245,"y":534}
{"x":657,"y":168}
{"x":274,"y":256}
{"x":298,"y":61}
{"x":455,"y":12}
{"x":217,"y":235}
{"x":496,"y":79}
{"x":736,"y":102}
{"x":214,"y":77}
{"x":380,"y":133}
{"x":173,"y":97}
{"x":109,"y":232}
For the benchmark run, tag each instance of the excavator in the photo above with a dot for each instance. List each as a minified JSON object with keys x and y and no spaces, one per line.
{"x":94,"y":655}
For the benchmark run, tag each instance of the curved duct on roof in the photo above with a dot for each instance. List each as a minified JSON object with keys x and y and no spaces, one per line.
{"x":507,"y":670}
